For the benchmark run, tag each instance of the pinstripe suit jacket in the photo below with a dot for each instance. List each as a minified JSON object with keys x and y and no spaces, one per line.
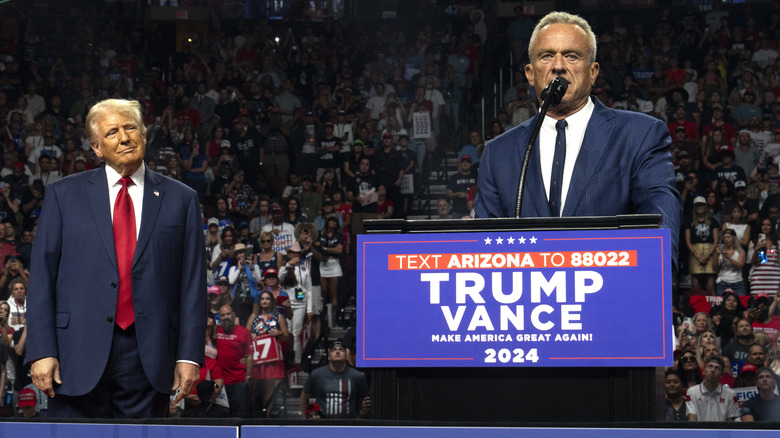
{"x":624,"y":166}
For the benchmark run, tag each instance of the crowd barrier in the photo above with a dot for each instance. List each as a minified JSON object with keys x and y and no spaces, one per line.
{"x":310,"y":429}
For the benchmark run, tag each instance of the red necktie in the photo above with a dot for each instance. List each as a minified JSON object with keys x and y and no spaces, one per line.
{"x":124,"y":241}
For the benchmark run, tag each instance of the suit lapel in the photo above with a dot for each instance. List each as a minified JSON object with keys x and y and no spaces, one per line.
{"x":153,"y":199}
{"x":535,"y":201}
{"x":590,"y":156}
{"x":97,"y":192}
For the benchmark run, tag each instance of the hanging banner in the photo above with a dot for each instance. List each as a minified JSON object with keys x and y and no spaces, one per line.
{"x":530,"y":298}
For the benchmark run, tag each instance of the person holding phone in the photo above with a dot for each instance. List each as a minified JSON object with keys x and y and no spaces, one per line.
{"x":765,"y":274}
{"x":295,"y":276}
{"x":728,"y":263}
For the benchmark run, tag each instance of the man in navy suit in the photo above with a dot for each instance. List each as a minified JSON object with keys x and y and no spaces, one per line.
{"x":616,"y":162}
{"x":112,"y":329}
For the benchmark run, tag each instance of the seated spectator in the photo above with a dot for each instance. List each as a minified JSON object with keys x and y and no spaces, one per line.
{"x":747,"y":376}
{"x":353,"y":396}
{"x":766,"y":405}
{"x":738,"y":349}
{"x":688,"y":369}
{"x":732,"y":309}
{"x":762,"y":316}
{"x":709,"y":400}
{"x":674,"y":402}
{"x":756,"y":354}
{"x":709,"y":350}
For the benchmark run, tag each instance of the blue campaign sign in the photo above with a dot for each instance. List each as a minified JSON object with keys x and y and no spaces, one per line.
{"x":525,"y":298}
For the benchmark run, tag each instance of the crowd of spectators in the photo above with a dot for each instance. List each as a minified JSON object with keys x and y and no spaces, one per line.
{"x":290,"y":131}
{"x":293,"y":132}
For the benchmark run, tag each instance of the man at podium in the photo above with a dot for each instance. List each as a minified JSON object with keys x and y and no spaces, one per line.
{"x":589,"y":160}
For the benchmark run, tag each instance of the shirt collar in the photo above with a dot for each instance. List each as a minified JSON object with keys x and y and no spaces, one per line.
{"x":577,"y":121}
{"x":113,"y":176}
{"x":704,"y":389}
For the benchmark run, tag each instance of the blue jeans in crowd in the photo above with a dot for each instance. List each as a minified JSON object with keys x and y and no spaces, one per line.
{"x":739,"y":288}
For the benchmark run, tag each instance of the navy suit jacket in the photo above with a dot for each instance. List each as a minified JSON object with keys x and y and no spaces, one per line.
{"x":624,"y":167}
{"x":73,"y":280}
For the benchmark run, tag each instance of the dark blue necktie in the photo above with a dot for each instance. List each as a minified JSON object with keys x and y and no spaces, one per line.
{"x":556,"y":177}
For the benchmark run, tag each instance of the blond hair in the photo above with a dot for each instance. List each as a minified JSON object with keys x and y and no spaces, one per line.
{"x":127,"y":108}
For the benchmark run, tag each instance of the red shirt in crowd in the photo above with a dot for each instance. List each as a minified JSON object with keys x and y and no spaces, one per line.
{"x":231,"y":348}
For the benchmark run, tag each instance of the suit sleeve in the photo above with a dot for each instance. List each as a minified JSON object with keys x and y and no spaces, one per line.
{"x":653,"y":182}
{"x":44,"y":269}
{"x":488,"y":202}
{"x":193,"y":286}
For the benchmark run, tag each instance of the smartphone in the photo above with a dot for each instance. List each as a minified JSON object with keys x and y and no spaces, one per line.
{"x":761,"y":236}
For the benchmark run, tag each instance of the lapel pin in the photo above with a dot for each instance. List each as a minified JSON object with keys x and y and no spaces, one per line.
{"x":156,"y":193}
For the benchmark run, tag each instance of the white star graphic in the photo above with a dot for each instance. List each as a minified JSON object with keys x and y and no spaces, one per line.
{"x":521,"y":240}
{"x":533,"y":239}
{"x":499,"y":241}
{"x":487,"y":240}
{"x":510,"y":241}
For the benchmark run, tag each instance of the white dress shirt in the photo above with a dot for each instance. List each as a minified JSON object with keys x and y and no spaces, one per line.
{"x":577,"y":123}
{"x":136,"y":192}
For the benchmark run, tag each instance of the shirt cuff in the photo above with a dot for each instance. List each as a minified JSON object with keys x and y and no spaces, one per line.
{"x":188,"y":361}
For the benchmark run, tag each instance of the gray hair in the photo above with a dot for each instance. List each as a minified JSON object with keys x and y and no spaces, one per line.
{"x":556,"y":17}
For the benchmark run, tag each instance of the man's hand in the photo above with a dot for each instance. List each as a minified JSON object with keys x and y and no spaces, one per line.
{"x":185,"y":377}
{"x":43,"y":371}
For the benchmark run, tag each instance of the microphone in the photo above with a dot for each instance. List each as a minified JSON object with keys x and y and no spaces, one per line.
{"x":551,"y":96}
{"x":555,"y":91}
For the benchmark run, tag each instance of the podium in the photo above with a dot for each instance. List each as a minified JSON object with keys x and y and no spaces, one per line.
{"x":609,"y":390}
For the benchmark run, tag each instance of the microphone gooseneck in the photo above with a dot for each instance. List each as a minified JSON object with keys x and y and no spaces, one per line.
{"x":551,"y":97}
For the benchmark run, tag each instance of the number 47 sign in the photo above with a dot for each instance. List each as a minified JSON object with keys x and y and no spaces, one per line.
{"x":266,"y":350}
